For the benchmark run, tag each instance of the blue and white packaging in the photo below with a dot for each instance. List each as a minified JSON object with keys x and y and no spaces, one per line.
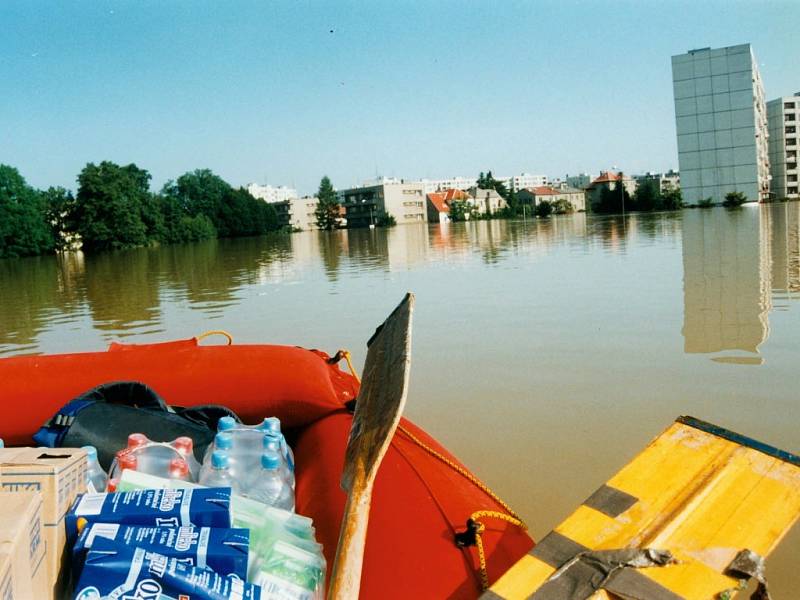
{"x":201,"y":507}
{"x":222,"y":550}
{"x":113,"y":571}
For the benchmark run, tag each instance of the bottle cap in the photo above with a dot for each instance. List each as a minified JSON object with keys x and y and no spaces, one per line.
{"x":272,"y":424}
{"x":271,"y":443}
{"x":184,"y":445}
{"x":178,"y":468}
{"x":111,"y":486}
{"x":223,"y":441}
{"x":226,"y":423}
{"x":219,"y":459}
{"x":127,"y":460}
{"x":137,"y":439}
{"x":91,"y":452}
{"x":270,"y":460}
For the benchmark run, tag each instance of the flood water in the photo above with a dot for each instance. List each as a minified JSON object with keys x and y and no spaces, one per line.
{"x":547,"y":353}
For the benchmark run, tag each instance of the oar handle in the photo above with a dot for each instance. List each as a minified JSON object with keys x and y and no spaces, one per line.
{"x":346,"y":580}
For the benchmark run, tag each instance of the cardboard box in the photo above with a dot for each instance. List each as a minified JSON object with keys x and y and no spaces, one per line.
{"x":6,"y":576}
{"x":58,"y":474}
{"x":22,"y":545}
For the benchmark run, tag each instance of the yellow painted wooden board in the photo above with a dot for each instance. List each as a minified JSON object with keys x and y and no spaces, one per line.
{"x":702,"y":493}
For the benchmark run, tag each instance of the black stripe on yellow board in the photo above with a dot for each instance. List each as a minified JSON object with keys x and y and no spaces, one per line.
{"x":610,"y":501}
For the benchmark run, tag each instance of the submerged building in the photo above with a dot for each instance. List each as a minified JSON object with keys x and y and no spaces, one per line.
{"x":721,"y":124}
{"x":783,"y":115}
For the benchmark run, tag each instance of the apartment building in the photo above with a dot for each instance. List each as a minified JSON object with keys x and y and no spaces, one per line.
{"x":783,"y":116}
{"x":580,"y":181}
{"x":454,"y":183}
{"x":665,"y":181}
{"x":270,"y":193}
{"x":523,"y":181}
{"x":367,"y":205}
{"x":545,"y":193}
{"x":721,"y":124}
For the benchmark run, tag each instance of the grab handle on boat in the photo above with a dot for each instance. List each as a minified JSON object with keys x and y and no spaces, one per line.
{"x":206,"y":334}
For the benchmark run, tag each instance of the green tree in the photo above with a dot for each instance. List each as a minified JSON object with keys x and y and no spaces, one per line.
{"x":59,"y":205}
{"x":460,"y":210}
{"x":386,"y":220}
{"x":24,"y":230}
{"x":611,"y":200}
{"x":327,"y":211}
{"x":563,"y":207}
{"x":672,"y":198}
{"x":544,"y":209}
{"x":232,"y":212}
{"x":180,"y":226}
{"x":488,"y":182}
{"x":201,"y":192}
{"x":734,"y":199}
{"x":513,"y":207}
{"x":647,"y":197}
{"x":109,"y":207}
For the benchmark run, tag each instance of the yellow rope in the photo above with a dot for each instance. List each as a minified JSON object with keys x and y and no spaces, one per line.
{"x":512,"y":517}
{"x":346,"y":355}
{"x":206,"y":334}
{"x":463,"y":472}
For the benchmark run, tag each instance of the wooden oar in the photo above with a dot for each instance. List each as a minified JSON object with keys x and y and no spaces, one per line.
{"x":379,"y":405}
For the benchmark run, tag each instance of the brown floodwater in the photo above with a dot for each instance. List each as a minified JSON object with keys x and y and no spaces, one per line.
{"x":547,"y":353}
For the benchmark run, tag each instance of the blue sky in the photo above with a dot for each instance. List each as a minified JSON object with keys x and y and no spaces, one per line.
{"x":285,"y":92}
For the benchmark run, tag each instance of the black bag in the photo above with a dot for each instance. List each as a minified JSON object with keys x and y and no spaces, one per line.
{"x":104,"y":416}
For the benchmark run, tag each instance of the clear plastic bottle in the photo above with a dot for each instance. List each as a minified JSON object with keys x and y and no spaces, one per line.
{"x":96,"y":478}
{"x":273,"y":444}
{"x":272,"y":425}
{"x":218,"y":474}
{"x":270,"y":486}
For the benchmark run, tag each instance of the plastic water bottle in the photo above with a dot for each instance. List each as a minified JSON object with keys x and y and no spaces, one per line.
{"x":96,"y":478}
{"x":271,"y":486}
{"x":272,"y":426}
{"x":222,"y":441}
{"x":273,"y":445}
{"x":218,"y":474}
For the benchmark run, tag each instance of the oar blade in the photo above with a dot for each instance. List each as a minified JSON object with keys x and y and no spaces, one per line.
{"x":382,"y":396}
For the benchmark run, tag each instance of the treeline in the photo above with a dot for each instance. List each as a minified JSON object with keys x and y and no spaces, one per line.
{"x":647,"y":197}
{"x":115,"y":209}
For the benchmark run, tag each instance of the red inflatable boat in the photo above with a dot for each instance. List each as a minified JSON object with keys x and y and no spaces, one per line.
{"x":422,"y":497}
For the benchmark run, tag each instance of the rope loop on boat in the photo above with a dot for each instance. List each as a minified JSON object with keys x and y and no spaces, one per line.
{"x":211,"y":332}
{"x":475,"y":527}
{"x":345,"y":354}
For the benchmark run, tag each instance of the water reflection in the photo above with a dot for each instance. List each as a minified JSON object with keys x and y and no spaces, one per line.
{"x":735,"y":264}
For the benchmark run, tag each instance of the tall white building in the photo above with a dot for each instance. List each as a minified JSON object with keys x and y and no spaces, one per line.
{"x":523,"y":181}
{"x":453,"y":183}
{"x":783,"y":115}
{"x":270,"y":193}
{"x":721,"y":123}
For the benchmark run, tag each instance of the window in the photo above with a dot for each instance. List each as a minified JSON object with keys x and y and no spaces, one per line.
{"x":790,"y":129}
{"x":790,"y":117}
{"x":788,"y":105}
{"x":791,"y":178}
{"x":791,"y":141}
{"x":792,"y":190}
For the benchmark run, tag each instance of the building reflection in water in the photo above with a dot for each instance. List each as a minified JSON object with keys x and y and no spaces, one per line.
{"x":733,"y":263}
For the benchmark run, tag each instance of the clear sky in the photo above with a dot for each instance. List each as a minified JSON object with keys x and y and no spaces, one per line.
{"x":284,"y":92}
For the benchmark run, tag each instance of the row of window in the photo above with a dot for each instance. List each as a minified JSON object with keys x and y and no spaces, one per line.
{"x":417,"y":204}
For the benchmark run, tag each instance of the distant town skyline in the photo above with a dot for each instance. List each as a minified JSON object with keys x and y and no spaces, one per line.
{"x":278,"y":94}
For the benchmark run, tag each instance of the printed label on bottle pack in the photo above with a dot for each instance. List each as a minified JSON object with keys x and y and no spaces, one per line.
{"x":201,"y":507}
{"x":119,"y":572}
